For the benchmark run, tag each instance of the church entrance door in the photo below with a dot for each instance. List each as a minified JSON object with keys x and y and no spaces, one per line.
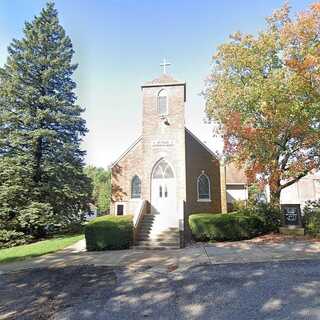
{"x":163,"y":193}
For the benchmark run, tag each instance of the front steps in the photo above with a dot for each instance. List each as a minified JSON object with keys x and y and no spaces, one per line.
{"x":147,"y":238}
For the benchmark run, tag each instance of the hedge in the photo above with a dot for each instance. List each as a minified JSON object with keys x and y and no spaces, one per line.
{"x":109,"y":233}
{"x":271,"y":216}
{"x":225,"y":227}
{"x":11,"y":238}
{"x":311,"y":217}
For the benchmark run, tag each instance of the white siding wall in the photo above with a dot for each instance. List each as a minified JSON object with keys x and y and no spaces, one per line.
{"x":236,"y":193}
{"x":307,"y":188}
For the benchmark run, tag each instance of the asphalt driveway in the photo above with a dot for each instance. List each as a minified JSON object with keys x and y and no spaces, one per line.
{"x":269,"y":290}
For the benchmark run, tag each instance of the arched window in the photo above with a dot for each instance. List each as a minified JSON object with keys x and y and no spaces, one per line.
{"x":163,"y":171}
{"x":162,"y":106}
{"x":203,"y":186}
{"x":135,"y":187}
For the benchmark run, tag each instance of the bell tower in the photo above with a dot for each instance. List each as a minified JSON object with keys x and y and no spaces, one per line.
{"x":163,"y":131}
{"x":163,"y":105}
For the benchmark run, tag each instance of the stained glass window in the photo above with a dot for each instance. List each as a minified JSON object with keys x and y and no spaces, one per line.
{"x":135,"y":187}
{"x":203,"y":187}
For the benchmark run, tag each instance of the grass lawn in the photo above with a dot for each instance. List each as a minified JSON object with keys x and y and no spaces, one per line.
{"x":38,"y":248}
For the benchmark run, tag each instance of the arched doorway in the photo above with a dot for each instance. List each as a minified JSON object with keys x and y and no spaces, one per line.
{"x":163,"y":191}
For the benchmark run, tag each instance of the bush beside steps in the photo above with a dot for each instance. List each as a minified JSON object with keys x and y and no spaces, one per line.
{"x":225,"y":227}
{"x":109,"y":233}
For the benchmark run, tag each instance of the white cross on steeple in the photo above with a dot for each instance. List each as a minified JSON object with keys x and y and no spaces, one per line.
{"x":165,"y":64}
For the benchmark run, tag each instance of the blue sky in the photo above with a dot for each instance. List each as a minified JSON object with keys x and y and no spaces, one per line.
{"x":119,"y":45}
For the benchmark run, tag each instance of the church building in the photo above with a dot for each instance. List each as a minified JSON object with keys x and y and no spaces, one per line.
{"x":168,"y":173}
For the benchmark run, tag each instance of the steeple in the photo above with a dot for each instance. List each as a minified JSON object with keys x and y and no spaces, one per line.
{"x":165,"y":80}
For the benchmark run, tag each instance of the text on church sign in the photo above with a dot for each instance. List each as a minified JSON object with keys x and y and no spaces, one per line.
{"x":162,"y":143}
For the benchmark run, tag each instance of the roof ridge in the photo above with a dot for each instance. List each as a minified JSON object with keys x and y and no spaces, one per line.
{"x":164,"y":79}
{"x":203,"y":144}
{"x":127,"y":151}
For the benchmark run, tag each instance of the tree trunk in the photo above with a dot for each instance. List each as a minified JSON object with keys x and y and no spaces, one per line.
{"x":275,"y":190}
{"x":275,"y":198}
{"x":38,"y":159}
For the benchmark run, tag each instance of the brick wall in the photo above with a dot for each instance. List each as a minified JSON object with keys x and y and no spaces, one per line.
{"x":154,"y":129}
{"x":198,"y":158}
{"x":122,"y":173}
{"x":143,"y":157}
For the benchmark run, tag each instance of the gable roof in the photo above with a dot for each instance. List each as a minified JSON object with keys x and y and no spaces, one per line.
{"x":186,"y":130}
{"x":215,"y":155}
{"x":126,"y":152}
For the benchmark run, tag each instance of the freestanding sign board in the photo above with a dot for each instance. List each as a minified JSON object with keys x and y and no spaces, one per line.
{"x":291,"y":214}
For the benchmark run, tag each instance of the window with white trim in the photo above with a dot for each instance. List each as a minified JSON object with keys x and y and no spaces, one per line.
{"x":162,"y":103}
{"x":203,"y":187}
{"x":135,"y":187}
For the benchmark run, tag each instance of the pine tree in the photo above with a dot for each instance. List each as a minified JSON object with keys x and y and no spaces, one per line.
{"x":41,"y":163}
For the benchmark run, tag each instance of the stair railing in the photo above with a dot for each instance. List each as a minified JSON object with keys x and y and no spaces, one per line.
{"x":142,"y":210}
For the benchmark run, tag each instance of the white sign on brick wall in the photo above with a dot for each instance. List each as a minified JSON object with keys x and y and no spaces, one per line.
{"x":163,"y":143}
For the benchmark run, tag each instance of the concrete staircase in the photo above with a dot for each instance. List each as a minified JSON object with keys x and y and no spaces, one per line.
{"x":148,"y":239}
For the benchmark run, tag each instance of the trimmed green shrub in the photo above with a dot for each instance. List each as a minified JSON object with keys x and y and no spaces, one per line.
{"x":311,"y":217}
{"x":109,"y":233}
{"x":225,"y":227}
{"x":11,"y":238}
{"x":271,"y":215}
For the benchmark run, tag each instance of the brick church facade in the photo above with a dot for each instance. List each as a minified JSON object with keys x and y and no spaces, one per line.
{"x":168,"y":173}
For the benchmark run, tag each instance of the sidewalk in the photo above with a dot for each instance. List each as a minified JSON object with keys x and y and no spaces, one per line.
{"x":246,"y":251}
{"x":169,"y":260}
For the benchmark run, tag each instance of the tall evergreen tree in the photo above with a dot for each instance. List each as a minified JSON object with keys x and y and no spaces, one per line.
{"x":41,"y":163}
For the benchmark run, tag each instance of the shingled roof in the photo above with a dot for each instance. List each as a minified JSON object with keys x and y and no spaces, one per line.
{"x":235,"y":175}
{"x":163,"y":79}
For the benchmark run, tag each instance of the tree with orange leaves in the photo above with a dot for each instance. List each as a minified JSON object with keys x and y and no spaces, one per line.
{"x":264,"y":91}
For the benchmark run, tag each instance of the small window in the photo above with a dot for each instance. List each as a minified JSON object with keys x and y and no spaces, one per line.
{"x":120,"y":209}
{"x":203,"y":188}
{"x":135,"y":187}
{"x":162,"y":103}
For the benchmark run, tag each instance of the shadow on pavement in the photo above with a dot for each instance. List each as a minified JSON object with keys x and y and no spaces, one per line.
{"x":282,"y":290}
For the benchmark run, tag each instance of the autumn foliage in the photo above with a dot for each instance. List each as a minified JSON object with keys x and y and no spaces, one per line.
{"x":264,"y":91}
